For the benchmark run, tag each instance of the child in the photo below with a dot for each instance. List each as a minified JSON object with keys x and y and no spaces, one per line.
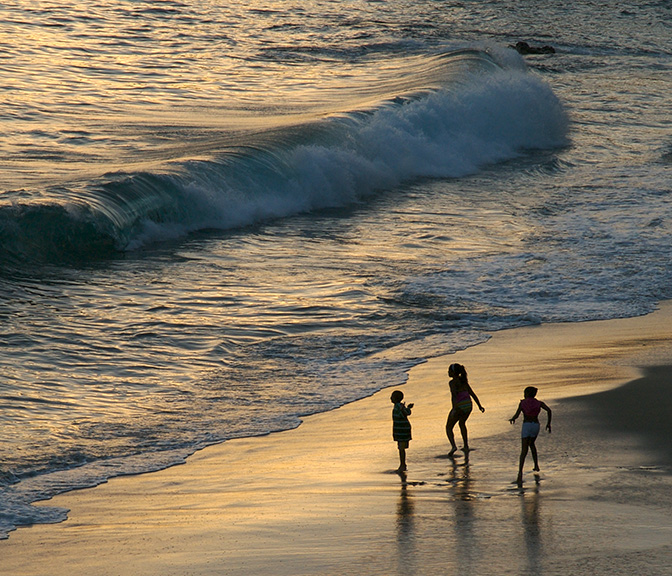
{"x":461,"y":394}
{"x":401,"y":427}
{"x":530,"y":407}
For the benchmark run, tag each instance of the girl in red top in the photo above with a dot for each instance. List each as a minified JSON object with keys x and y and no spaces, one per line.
{"x":530,"y":408}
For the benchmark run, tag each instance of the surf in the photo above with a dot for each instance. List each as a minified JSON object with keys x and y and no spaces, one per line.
{"x":440,"y":116}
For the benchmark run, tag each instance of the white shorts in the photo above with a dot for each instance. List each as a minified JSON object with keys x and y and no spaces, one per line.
{"x":530,"y":430}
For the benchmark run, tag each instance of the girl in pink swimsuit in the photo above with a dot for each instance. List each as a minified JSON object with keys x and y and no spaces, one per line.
{"x":461,"y":395}
{"x":530,"y":407}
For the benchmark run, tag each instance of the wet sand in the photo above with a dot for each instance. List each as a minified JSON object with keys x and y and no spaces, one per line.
{"x":324,"y":498}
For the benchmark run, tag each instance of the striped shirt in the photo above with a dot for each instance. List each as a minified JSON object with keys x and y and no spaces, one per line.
{"x":401,"y":427}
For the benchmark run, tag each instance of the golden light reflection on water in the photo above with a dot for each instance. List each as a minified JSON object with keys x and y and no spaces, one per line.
{"x":108,"y":84}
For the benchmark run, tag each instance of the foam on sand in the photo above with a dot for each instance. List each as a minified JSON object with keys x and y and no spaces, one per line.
{"x":323,"y":499}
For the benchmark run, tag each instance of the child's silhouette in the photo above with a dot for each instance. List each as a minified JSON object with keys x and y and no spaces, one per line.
{"x":401,"y":427}
{"x":530,"y":408}
{"x":461,"y":394}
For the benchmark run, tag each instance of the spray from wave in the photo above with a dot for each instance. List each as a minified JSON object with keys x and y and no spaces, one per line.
{"x":477,"y":112}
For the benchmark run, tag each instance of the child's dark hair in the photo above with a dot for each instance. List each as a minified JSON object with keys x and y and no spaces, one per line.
{"x":458,"y":371}
{"x":530,"y":392}
{"x":397,"y":396}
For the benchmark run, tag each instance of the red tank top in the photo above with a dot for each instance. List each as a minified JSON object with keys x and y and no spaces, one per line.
{"x":531,"y":408}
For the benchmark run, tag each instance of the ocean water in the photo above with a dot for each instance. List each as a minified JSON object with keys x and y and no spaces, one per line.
{"x":218,"y":217}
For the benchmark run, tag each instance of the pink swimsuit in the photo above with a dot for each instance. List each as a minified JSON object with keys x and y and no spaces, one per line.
{"x":463,"y":402}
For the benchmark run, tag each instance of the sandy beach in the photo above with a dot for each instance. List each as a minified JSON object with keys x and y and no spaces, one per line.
{"x":324,"y":498}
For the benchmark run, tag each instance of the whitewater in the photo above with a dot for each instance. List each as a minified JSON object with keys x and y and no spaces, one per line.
{"x":215,"y":220}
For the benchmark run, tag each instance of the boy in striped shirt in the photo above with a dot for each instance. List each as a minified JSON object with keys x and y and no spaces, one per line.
{"x":401,"y":427}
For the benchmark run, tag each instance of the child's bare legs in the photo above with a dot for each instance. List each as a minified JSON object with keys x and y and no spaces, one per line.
{"x":402,"y":459}
{"x":453,"y":419}
{"x":533,"y":449}
{"x":450,"y":424}
{"x":463,"y":430}
{"x":524,"y":446}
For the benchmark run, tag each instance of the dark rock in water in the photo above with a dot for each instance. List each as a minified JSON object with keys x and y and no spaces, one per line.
{"x":525,"y":48}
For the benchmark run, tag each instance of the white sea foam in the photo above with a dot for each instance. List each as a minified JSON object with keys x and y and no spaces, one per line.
{"x":117,"y":362}
{"x":480,"y":119}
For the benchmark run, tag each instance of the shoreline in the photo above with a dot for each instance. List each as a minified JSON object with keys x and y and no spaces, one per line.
{"x":323,"y":498}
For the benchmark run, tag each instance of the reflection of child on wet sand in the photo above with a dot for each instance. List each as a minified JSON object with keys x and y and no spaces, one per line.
{"x":530,"y":408}
{"x":401,"y":427}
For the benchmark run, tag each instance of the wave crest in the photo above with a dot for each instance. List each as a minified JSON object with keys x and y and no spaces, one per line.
{"x":475,"y":113}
